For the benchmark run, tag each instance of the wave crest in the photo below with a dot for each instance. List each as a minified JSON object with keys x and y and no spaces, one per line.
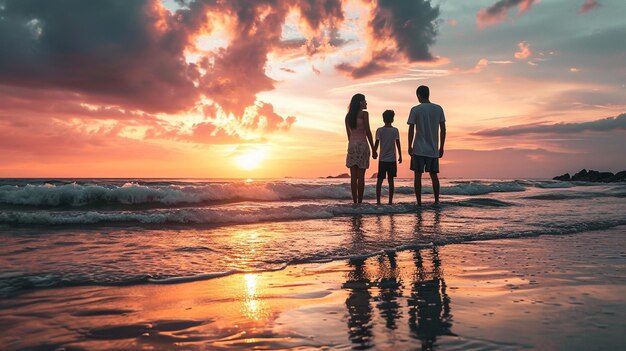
{"x":133,"y":194}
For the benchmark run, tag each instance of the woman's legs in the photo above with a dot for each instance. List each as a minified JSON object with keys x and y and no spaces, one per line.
{"x":361,"y":175}
{"x":354,"y":173}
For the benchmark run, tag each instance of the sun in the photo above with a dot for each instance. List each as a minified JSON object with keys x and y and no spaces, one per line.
{"x":250,"y":159}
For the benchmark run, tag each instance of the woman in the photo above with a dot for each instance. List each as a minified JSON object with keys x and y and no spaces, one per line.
{"x":359,"y":134}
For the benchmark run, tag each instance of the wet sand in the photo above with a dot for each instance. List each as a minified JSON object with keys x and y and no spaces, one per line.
{"x":549,"y":292}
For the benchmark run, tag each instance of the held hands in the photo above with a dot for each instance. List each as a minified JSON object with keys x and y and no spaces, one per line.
{"x":400,"y":159}
{"x":374,"y":154}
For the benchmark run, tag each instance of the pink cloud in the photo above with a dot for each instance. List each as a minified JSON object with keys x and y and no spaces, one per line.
{"x":587,"y":6}
{"x":499,"y":11}
{"x":524,"y":51}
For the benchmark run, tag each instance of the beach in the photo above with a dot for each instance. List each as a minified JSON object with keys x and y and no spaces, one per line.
{"x":125,"y":264}
{"x":548,"y":292}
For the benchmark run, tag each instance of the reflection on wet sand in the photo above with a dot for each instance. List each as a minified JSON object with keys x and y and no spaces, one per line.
{"x":427,"y":308}
{"x":429,"y":304}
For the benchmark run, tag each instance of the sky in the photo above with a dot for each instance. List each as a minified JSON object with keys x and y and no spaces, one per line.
{"x":259,"y":89}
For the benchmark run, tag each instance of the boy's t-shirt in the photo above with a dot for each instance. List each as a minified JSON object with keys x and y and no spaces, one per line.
{"x":426,"y":117}
{"x":387,"y":137}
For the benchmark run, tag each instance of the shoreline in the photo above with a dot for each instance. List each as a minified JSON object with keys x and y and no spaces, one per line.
{"x":549,"y":292}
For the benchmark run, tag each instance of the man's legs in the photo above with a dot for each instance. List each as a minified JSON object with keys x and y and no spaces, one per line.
{"x":417,"y":184}
{"x":391,"y":189}
{"x":435,"y":179}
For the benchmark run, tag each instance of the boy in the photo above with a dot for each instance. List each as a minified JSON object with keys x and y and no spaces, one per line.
{"x":387,"y":136}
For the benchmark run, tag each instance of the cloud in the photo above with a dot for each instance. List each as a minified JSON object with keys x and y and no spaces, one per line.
{"x":400,"y":31}
{"x":129,"y":58}
{"x":587,"y":6}
{"x":524,"y":51}
{"x":115,"y":51}
{"x":600,"y":125}
{"x":221,"y":128}
{"x":499,"y":11}
{"x":132,"y":62}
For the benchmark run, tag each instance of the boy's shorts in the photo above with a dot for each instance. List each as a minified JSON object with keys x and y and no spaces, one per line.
{"x":387,"y":169}
{"x":419,"y":163}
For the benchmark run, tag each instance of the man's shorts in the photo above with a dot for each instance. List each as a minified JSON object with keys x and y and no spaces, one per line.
{"x":387,"y":169}
{"x":419,"y":163}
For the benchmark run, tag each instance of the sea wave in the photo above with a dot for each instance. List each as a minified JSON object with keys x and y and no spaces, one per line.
{"x":14,"y":282}
{"x":223,"y":215}
{"x":575,"y":195}
{"x":131,"y":195}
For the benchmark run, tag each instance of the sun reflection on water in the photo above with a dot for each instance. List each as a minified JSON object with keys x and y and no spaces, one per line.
{"x":253,"y":306}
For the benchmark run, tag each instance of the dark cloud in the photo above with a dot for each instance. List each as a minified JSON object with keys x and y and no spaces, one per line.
{"x":499,"y":11}
{"x":128,"y":57}
{"x":117,"y":51}
{"x":600,"y":125}
{"x":318,"y":12}
{"x":587,"y":6}
{"x":363,"y":70}
{"x":410,"y":25}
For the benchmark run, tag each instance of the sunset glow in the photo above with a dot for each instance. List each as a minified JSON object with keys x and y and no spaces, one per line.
{"x":154,"y":88}
{"x":250,"y":160}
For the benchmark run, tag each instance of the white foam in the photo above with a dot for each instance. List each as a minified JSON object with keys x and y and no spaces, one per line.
{"x":222,"y":215}
{"x":78,"y":195}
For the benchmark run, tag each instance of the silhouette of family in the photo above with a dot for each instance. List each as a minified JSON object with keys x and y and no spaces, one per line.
{"x":426,"y":139}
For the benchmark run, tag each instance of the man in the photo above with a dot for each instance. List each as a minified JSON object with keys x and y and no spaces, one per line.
{"x":426,"y":122}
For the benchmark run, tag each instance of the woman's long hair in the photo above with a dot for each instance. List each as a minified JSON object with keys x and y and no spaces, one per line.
{"x":354,"y":108}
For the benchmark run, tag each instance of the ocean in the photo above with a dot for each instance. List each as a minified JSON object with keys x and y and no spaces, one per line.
{"x":68,"y":232}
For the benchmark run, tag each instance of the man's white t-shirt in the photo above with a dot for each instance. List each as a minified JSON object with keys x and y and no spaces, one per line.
{"x":387,"y":137}
{"x":426,"y":117}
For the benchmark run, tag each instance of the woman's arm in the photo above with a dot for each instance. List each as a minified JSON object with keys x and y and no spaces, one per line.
{"x":347,"y":128}
{"x":368,"y":131}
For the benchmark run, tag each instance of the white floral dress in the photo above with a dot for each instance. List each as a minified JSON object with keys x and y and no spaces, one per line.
{"x":358,"y":154}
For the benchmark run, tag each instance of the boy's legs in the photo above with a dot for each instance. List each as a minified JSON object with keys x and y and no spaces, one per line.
{"x":435,"y":179}
{"x":379,"y":185}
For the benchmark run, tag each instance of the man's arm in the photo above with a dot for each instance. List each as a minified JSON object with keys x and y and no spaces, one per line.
{"x":442,"y":136}
{"x":411,"y":135}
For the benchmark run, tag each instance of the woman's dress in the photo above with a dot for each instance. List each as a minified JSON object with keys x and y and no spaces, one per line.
{"x":358,"y":148}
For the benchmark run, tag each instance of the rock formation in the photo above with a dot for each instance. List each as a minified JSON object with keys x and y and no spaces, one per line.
{"x":593,"y":176}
